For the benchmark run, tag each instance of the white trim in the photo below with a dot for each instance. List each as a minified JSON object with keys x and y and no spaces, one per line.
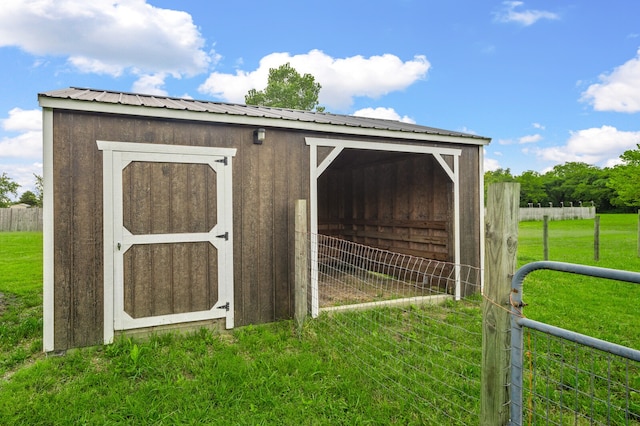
{"x":481,"y":212}
{"x":223,"y":118}
{"x":107,"y":223}
{"x":313,"y":206}
{"x":48,"y":301}
{"x":382,"y":146}
{"x":327,"y":161}
{"x":456,"y":223}
{"x":116,"y":155}
{"x":158,"y":148}
{"x":339,"y":145}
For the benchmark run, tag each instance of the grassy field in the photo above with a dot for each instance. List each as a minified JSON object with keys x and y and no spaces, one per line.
{"x":601,"y":308}
{"x":274,"y":373}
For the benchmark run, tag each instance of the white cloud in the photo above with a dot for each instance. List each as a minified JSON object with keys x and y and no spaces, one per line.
{"x":538,"y":126}
{"x":384,"y":113}
{"x":342,"y":79}
{"x":106,"y":37}
{"x":524,"y":17}
{"x":598,"y":146}
{"x":150,"y":85}
{"x":25,"y":145}
{"x":22,"y":120}
{"x":491,"y":164}
{"x":530,"y":139}
{"x":28,"y":142}
{"x":618,"y":91}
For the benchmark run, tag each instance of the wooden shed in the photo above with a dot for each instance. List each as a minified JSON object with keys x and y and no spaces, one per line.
{"x":161,"y":212}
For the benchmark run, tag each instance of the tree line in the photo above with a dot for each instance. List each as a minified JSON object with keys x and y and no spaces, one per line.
{"x":610,"y":189}
{"x":9,"y":187}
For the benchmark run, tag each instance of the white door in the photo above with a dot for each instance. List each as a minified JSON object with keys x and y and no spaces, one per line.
{"x":168,"y":235}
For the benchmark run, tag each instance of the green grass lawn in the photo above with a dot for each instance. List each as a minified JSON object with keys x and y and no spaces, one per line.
{"x":605,"y":309}
{"x":275,"y":373}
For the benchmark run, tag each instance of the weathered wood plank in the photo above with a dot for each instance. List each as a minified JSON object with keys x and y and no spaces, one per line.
{"x":500,"y":265}
{"x":266,"y":225}
{"x":63,"y":268}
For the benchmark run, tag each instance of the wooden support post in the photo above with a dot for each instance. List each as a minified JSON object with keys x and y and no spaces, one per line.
{"x":596,"y":239}
{"x":501,"y":245}
{"x":301,"y":262}
{"x":545,"y":236}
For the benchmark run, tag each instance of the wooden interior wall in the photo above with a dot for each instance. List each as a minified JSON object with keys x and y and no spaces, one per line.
{"x":399,"y":202}
{"x":266,"y":180}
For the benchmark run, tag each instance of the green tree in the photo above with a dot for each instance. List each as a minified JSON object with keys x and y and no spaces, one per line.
{"x":7,"y":187}
{"x":29,"y":197}
{"x":39,"y":189}
{"x":286,"y":88}
{"x":531,"y":188}
{"x":496,"y":176}
{"x":577,"y":181}
{"x":624,"y":179}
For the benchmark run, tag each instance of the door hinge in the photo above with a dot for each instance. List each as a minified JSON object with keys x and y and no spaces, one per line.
{"x":223,"y":160}
{"x":225,"y":236}
{"x":226,"y":307}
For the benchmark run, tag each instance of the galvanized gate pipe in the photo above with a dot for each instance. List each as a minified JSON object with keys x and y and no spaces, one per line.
{"x":518,"y":322}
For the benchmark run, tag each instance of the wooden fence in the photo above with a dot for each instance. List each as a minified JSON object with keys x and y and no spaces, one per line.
{"x":21,"y":219}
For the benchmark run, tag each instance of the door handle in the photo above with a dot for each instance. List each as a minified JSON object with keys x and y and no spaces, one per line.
{"x":119,"y":246}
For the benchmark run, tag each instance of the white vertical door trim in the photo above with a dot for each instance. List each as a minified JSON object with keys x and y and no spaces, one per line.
{"x":482,"y":216}
{"x":313,"y":206}
{"x":48,"y":282}
{"x":456,"y":224}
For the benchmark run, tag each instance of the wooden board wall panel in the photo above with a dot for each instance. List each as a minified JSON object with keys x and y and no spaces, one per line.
{"x":76,"y":295}
{"x":286,"y":157}
{"x":266,"y":224}
{"x":249,"y":227}
{"x":63,"y":254}
{"x":470,"y":206}
{"x":85,"y":203}
{"x":182,"y":279}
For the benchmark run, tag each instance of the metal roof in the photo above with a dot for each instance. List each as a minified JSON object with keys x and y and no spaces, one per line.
{"x":288,"y":116}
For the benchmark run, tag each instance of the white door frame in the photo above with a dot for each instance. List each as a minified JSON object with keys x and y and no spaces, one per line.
{"x":116,"y":156}
{"x":338,"y":146}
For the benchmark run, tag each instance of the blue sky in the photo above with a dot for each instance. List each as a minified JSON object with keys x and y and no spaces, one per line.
{"x":548,"y":81}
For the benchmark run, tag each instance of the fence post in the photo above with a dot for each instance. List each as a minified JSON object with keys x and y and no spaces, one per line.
{"x":501,"y":245}
{"x":301,"y":262}
{"x":545,"y":237}
{"x":596,"y":239}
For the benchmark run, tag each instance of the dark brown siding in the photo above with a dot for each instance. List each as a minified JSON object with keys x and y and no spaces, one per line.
{"x":266,"y":180}
{"x":378,"y":195}
{"x":78,"y":260}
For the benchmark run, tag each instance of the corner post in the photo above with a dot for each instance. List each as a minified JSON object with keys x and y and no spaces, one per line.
{"x":501,"y":244}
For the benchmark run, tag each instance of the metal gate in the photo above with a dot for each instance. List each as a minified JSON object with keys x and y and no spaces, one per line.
{"x":619,"y":410}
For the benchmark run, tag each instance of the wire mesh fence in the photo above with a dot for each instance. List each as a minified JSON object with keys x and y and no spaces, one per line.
{"x":569,"y":383}
{"x":411,"y":325}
